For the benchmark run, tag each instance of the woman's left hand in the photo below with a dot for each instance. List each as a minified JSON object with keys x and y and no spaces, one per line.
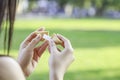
{"x":29,"y":53}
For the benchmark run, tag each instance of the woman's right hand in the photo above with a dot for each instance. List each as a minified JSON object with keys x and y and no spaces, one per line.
{"x":59,"y":61}
{"x":29,"y":54}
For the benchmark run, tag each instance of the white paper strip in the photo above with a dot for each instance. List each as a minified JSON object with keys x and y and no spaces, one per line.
{"x":46,"y":37}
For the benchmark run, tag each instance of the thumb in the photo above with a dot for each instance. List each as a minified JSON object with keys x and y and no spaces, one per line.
{"x":52,"y":47}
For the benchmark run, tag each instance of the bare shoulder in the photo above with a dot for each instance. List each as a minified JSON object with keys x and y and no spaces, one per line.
{"x":10,"y":68}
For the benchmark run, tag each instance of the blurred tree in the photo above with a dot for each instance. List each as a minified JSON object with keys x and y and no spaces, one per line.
{"x":62,"y":3}
{"x":100,"y":5}
{"x":116,"y":3}
{"x":31,"y":4}
{"x":79,"y":3}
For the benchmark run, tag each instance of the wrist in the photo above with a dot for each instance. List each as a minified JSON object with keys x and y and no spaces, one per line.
{"x":56,"y":75}
{"x":24,"y":72}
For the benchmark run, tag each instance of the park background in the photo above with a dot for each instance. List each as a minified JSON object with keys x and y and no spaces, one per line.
{"x":93,"y":27}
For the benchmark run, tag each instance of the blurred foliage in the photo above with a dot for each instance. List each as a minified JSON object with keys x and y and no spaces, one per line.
{"x":31,"y":4}
{"x":100,"y":5}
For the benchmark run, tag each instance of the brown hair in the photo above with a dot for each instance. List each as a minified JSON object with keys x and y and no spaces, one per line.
{"x":7,"y":16}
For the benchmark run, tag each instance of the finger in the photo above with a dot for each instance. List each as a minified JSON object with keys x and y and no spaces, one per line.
{"x":41,"y":29}
{"x":49,"y":49}
{"x":35,"y":55}
{"x":39,"y":51}
{"x":33,"y":34}
{"x":28,"y":39}
{"x":34,"y":63}
{"x":52,"y":46}
{"x":34,"y":42}
{"x":42,"y":48}
{"x":66,"y":43}
{"x":58,"y":49}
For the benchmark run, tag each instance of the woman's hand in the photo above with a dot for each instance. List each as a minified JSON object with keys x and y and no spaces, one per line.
{"x":59,"y":61}
{"x":29,"y":53}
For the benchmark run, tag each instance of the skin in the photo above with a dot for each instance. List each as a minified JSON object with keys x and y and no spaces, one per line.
{"x":29,"y":55}
{"x":59,"y":61}
{"x":10,"y":69}
{"x":27,"y":59}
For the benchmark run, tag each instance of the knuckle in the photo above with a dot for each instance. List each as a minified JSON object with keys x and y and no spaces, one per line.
{"x":34,"y":41}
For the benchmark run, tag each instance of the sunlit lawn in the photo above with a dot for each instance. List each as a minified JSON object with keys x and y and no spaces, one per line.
{"x":96,"y":43}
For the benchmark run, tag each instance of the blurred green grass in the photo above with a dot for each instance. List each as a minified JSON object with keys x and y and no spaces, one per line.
{"x":96,"y":43}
